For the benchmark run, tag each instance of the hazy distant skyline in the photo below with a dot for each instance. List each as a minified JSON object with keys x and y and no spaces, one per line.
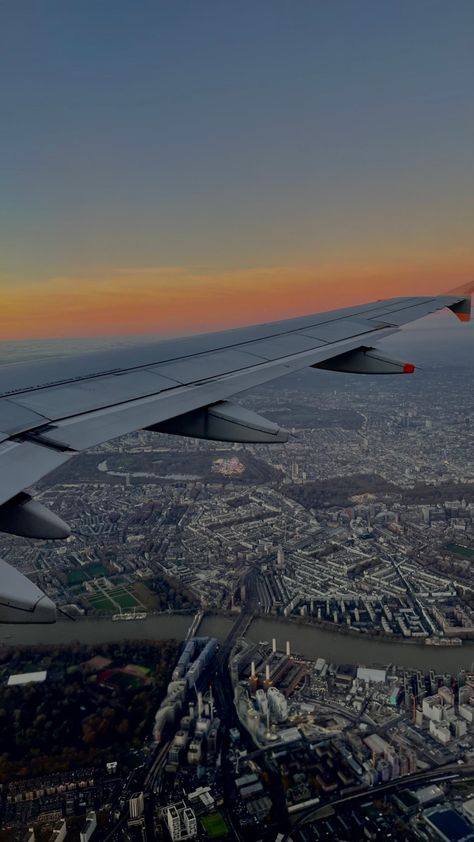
{"x":176,"y":166}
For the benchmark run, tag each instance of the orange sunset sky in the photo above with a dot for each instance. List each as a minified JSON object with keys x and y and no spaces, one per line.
{"x":170,"y":300}
{"x":197,"y":166}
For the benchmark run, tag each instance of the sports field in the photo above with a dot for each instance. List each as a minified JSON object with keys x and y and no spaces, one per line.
{"x":113,"y":600}
{"x":215,"y":826}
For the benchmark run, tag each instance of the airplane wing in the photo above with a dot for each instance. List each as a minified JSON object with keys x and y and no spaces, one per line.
{"x":54,"y":409}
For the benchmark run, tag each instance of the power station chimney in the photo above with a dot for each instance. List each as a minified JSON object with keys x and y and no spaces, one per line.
{"x":288,"y":652}
{"x":252,"y":669}
{"x":267,"y":673}
{"x":274,"y":645}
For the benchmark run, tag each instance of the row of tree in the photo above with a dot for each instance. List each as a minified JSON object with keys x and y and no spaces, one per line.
{"x":72,"y":719}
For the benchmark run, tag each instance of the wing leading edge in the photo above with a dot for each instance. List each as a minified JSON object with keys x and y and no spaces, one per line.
{"x":51,"y":411}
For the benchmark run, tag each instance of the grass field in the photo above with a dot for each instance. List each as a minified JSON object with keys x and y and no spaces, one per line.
{"x":101,"y":603}
{"x":113,"y":600}
{"x":123,"y":598}
{"x":215,"y":826}
{"x":458,"y":549}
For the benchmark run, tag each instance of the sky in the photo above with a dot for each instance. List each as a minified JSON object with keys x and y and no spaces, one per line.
{"x":171,"y":167}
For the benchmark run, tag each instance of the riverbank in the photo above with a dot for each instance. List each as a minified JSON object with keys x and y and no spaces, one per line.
{"x":308,"y":640}
{"x":348,"y":631}
{"x":322,"y":625}
{"x":313,"y":642}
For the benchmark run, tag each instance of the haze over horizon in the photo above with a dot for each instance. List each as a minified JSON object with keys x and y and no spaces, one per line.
{"x":188,"y":167}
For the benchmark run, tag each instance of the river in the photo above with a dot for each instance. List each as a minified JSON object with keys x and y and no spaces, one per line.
{"x":310,"y":641}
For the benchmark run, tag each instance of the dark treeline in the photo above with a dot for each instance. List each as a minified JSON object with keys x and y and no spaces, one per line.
{"x":171,"y":593}
{"x":338,"y":491}
{"x":431,"y":494}
{"x":71,"y":720}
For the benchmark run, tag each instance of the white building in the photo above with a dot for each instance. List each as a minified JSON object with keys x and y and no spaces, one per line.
{"x":27,"y":678}
{"x":467,"y":713}
{"x":253,"y":720}
{"x":190,"y":822}
{"x":136,"y":805}
{"x":440,"y":732}
{"x":59,"y":832}
{"x":202,"y":794}
{"x":91,"y":824}
{"x":432,"y":709}
{"x":277,"y":704}
{"x":460,"y":727}
{"x":373,"y":675}
{"x":261,"y":700}
{"x":173,"y":821}
{"x":194,"y":752}
{"x":181,"y":821}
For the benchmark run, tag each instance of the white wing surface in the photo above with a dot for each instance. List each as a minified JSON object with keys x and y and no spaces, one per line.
{"x":52,"y":410}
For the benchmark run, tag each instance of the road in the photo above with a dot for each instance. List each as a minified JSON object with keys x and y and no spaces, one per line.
{"x":225,"y":697}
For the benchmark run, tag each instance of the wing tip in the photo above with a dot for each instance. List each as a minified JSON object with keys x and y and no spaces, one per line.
{"x":463,"y":317}
{"x":462,"y":308}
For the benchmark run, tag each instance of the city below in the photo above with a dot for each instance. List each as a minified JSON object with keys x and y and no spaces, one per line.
{"x":259,"y":642}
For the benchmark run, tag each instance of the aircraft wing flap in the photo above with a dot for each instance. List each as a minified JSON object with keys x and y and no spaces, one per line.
{"x":17,"y":419}
{"x":206,"y":366}
{"x":96,"y":393}
{"x":283,"y":346}
{"x":341,"y":329}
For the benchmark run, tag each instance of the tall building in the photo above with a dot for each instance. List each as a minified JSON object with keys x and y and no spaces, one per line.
{"x":213,"y":737}
{"x":181,"y":821}
{"x":277,"y":704}
{"x":136,"y":805}
{"x":190,"y":822}
{"x":173,"y":822}
{"x":90,"y":826}
{"x":280,"y":558}
{"x":59,"y":832}
{"x":261,"y":699}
